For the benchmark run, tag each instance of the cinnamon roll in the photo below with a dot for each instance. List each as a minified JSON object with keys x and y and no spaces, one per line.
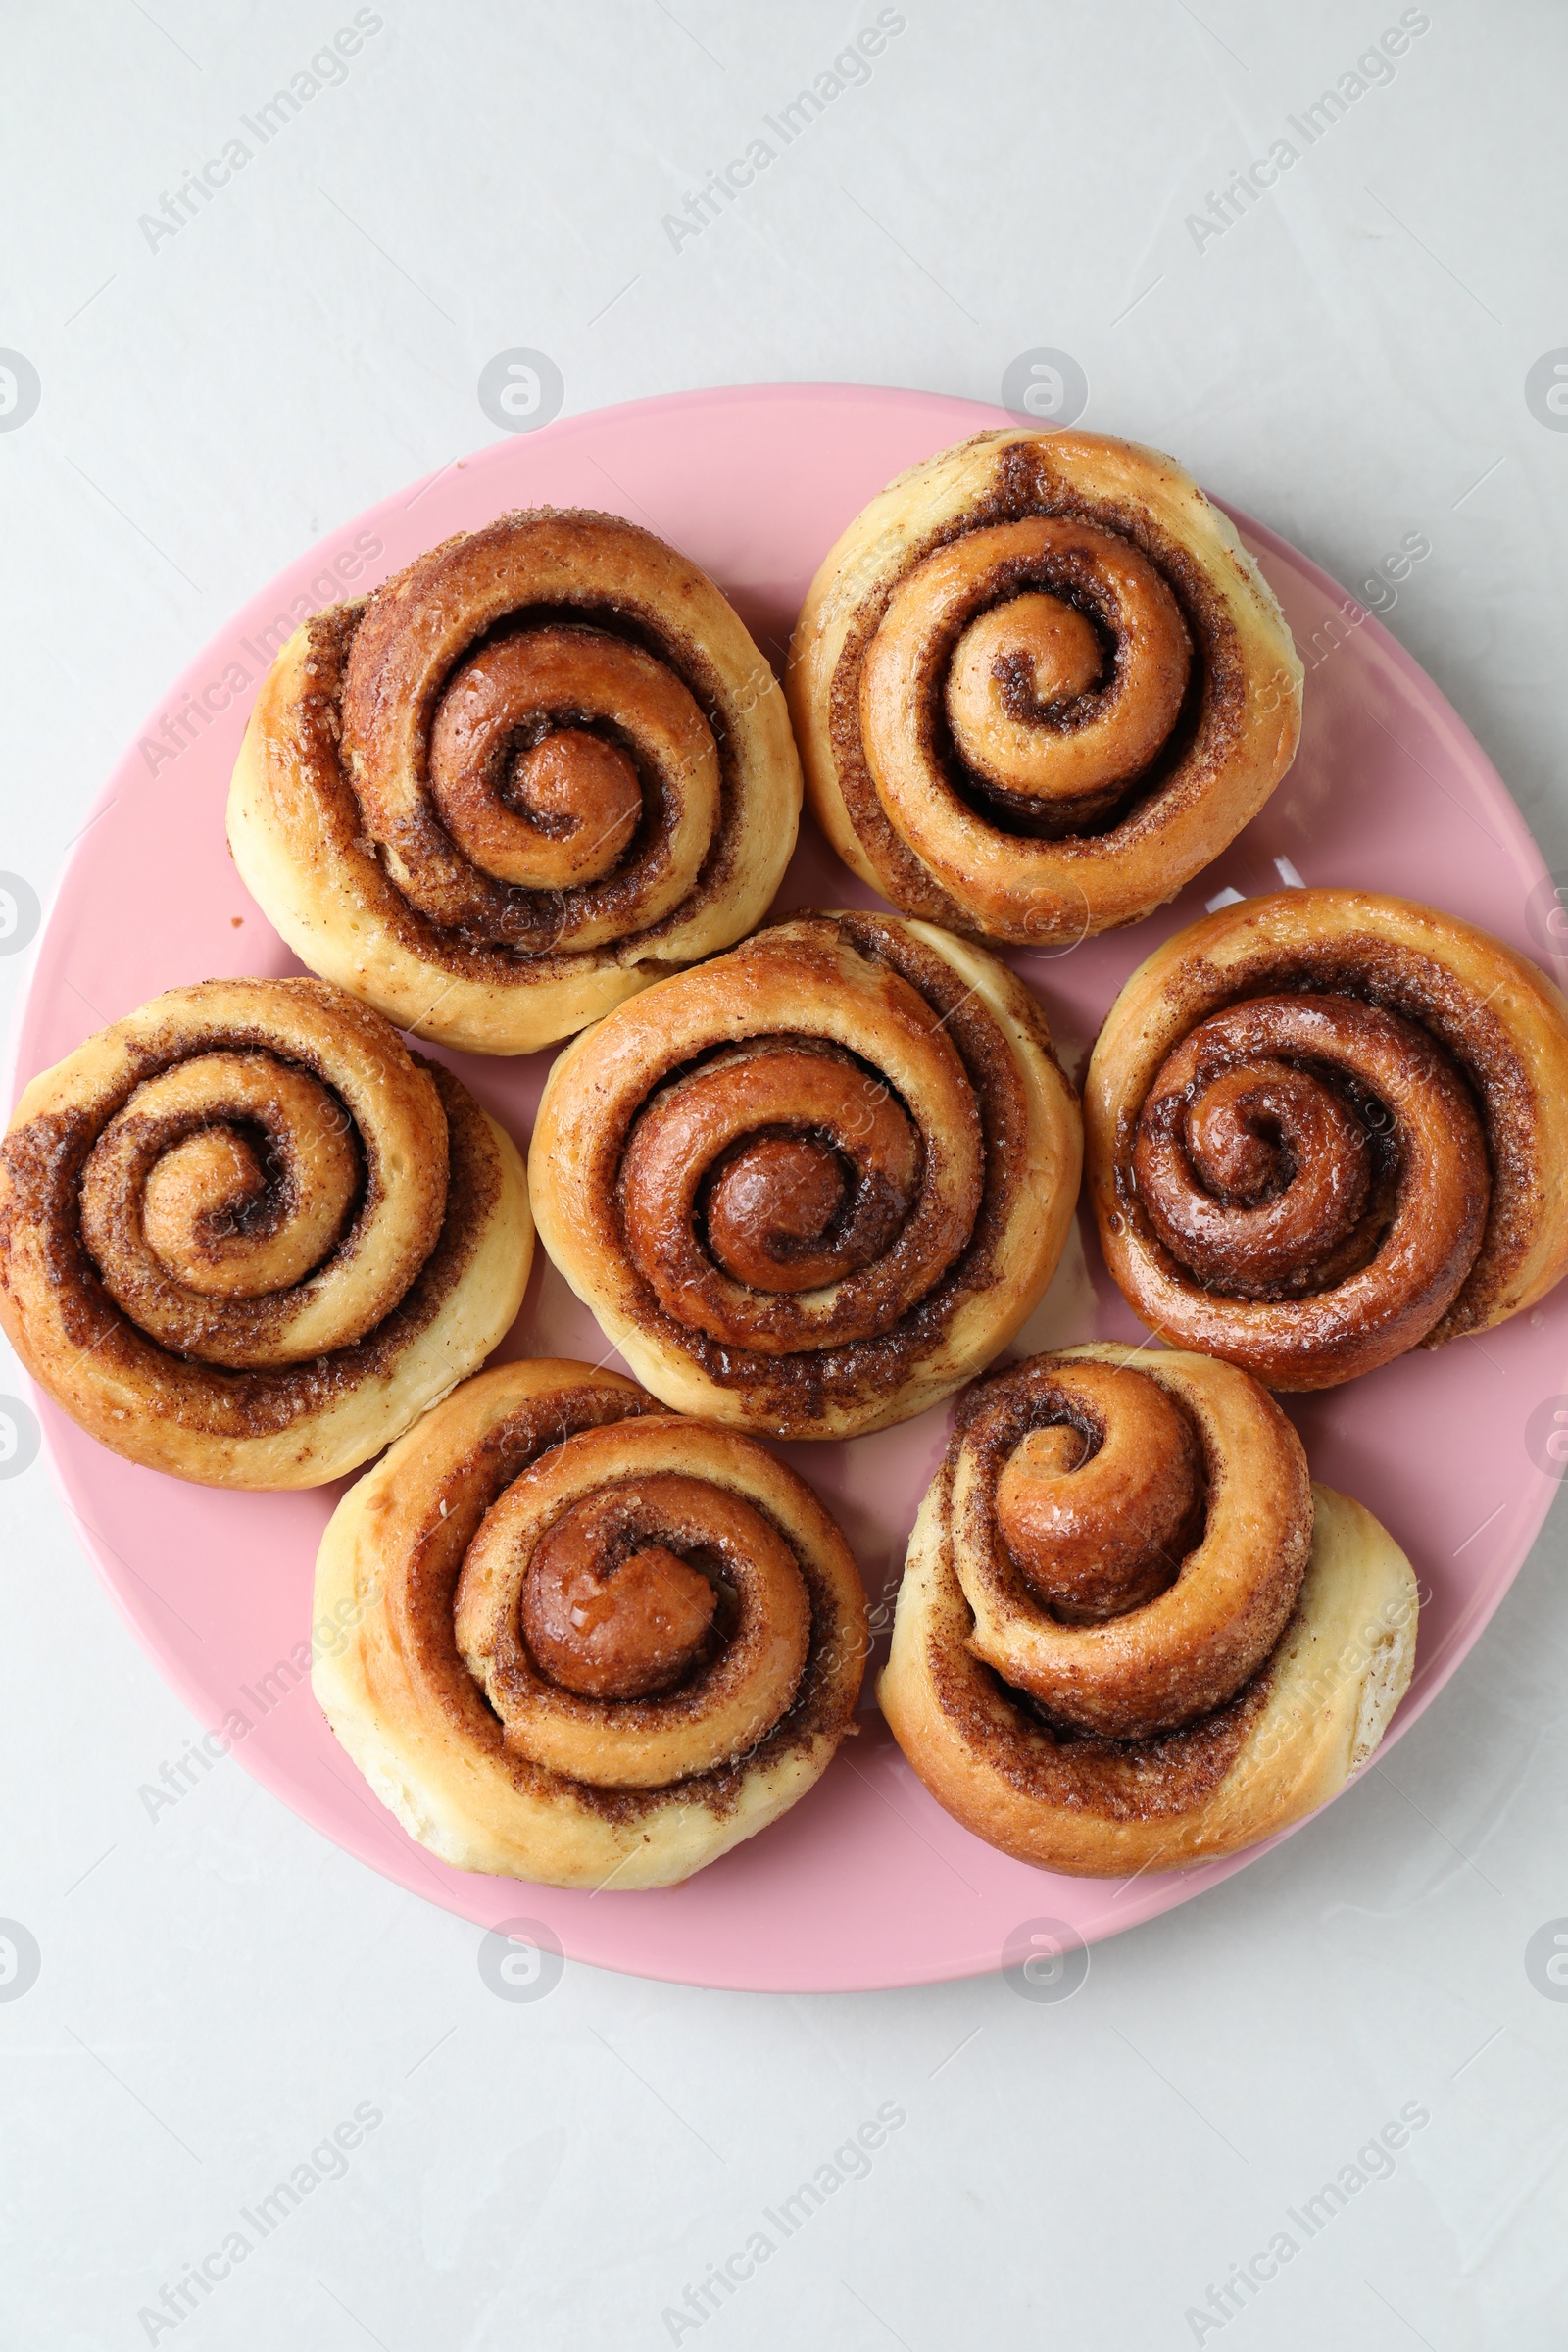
{"x":814,"y":1185}
{"x":246,"y":1237}
{"x":1039,"y":684}
{"x":541,"y":767}
{"x":568,"y":1637}
{"x":1131,"y":1634}
{"x":1326,"y":1127}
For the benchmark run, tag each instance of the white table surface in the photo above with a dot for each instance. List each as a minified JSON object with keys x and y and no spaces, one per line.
{"x":219,"y":1987}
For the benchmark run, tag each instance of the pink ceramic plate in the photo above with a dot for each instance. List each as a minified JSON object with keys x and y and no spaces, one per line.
{"x":868,"y":1883}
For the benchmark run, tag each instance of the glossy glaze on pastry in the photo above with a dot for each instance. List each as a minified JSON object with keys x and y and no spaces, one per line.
{"x":1131,"y":1634}
{"x":540,"y":768}
{"x":1328,"y":1126}
{"x":814,"y":1185}
{"x":1038,"y":685}
{"x":570,"y":1637}
{"x":245,"y":1237}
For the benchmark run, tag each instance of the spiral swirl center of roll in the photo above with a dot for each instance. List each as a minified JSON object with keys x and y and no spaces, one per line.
{"x":527,"y":795}
{"x":541,"y":788}
{"x":242,"y":1175}
{"x":1056,"y":656}
{"x":1097,"y":1512}
{"x":770,"y":1209}
{"x":607,"y":1620}
{"x":228,"y":1209}
{"x":199,"y":1193}
{"x":240,"y":1213}
{"x":634,"y":1628}
{"x":1130,"y":1545}
{"x":782,"y":1169}
{"x":577,"y":787}
{"x":1020,"y":661}
{"x":1285,"y":1140}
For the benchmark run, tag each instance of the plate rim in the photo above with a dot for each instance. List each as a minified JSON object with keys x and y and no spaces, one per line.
{"x":1518,"y":842}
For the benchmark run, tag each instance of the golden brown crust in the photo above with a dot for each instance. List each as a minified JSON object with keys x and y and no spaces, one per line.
{"x":862,"y":1102}
{"x":1285,"y":1743}
{"x":1327,"y":1126}
{"x":543,"y":766}
{"x":1228,"y":1568}
{"x":1038,"y":685}
{"x":245,"y":1238}
{"x":425,"y":1672}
